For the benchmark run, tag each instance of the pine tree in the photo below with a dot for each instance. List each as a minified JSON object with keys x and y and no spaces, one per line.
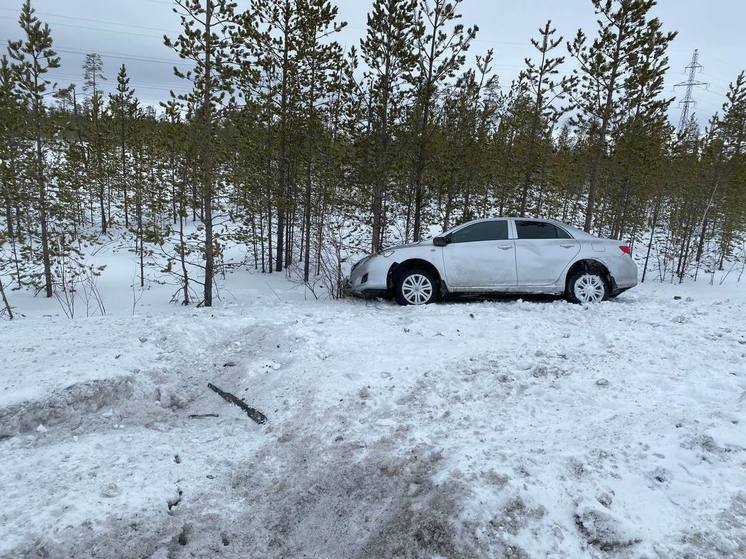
{"x":604,"y":66}
{"x":92,"y":76}
{"x":175,"y":144}
{"x":387,"y":50}
{"x":11,"y":129}
{"x":724,"y":152}
{"x":206,"y":42}
{"x":319,"y":57}
{"x":539,"y":81}
{"x":464,"y":133}
{"x":121,"y":105}
{"x":643,"y":128}
{"x":34,"y":57}
{"x":280,"y":46}
{"x":734,"y":189}
{"x":441,"y":46}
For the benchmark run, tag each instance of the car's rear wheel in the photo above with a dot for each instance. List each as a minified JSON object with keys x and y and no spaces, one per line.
{"x":416,"y":287}
{"x":587,"y":287}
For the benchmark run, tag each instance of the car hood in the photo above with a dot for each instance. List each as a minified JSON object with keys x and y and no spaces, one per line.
{"x":422,"y":243}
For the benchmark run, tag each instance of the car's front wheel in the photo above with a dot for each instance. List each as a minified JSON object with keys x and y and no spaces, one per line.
{"x":416,"y":287}
{"x":587,"y":287}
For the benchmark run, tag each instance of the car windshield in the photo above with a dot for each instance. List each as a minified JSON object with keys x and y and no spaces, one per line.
{"x":455,"y":228}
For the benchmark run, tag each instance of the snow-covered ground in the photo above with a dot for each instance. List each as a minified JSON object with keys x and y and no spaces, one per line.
{"x":466,"y":429}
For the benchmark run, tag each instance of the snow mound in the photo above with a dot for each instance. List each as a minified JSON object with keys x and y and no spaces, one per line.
{"x":604,"y":530}
{"x":65,"y":406}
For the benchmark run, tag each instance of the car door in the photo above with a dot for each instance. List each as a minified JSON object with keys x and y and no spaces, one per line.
{"x":480,"y":256}
{"x":543,"y":251}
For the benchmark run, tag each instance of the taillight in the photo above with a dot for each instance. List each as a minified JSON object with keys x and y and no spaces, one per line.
{"x":626,"y":249}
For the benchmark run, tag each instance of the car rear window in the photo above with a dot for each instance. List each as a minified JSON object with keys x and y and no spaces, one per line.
{"x":482,"y":231}
{"x":539,"y":230}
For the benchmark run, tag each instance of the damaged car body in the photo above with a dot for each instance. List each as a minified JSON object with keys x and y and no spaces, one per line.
{"x":499,"y":256}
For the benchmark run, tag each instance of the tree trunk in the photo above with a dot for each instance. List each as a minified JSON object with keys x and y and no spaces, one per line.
{"x":182,"y":258}
{"x":309,"y":179}
{"x":42,"y":193}
{"x":652,"y":236}
{"x":283,"y":197}
{"x":140,"y":233}
{"x":123,"y":158}
{"x":207,"y":159}
{"x":418,"y":174}
{"x":382,"y":164}
{"x":5,"y":300}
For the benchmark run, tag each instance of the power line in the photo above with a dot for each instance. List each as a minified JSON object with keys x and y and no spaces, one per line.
{"x":690,"y":84}
{"x":136,"y":84}
{"x":174,"y":62}
{"x":92,"y":20}
{"x":98,"y":29}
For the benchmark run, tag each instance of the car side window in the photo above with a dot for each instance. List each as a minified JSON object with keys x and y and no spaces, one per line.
{"x":482,"y":231}
{"x":539,"y":230}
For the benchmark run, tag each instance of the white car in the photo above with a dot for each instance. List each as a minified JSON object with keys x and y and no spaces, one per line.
{"x":499,"y":255}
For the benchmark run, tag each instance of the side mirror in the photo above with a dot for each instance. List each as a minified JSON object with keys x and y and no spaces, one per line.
{"x":441,"y":241}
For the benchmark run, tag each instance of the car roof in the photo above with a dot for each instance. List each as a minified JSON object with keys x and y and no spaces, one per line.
{"x":501,"y":218}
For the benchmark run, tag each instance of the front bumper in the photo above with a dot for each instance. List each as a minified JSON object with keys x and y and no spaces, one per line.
{"x":369,"y":277}
{"x":365,"y":293}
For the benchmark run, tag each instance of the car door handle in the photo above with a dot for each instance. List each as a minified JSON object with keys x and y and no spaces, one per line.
{"x":567,"y":245}
{"x":504,"y":247}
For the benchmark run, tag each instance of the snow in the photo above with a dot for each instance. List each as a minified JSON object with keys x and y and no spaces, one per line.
{"x":513,"y":428}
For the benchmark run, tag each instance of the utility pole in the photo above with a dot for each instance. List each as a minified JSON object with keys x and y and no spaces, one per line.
{"x":690,"y":84}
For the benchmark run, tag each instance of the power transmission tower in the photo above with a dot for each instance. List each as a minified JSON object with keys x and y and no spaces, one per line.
{"x":690,"y":84}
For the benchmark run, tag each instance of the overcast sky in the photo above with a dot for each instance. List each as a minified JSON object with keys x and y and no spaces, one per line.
{"x":130,"y":32}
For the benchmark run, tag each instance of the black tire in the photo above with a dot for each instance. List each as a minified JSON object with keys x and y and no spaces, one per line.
{"x":587,"y":286}
{"x":416,"y":287}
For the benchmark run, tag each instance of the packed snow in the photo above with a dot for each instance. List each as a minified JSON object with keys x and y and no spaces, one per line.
{"x":508,"y":428}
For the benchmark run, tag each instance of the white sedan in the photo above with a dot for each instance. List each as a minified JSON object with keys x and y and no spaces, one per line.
{"x":499,"y":255}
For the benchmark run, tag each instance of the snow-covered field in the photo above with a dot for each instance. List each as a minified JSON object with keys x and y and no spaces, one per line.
{"x":482,"y":429}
